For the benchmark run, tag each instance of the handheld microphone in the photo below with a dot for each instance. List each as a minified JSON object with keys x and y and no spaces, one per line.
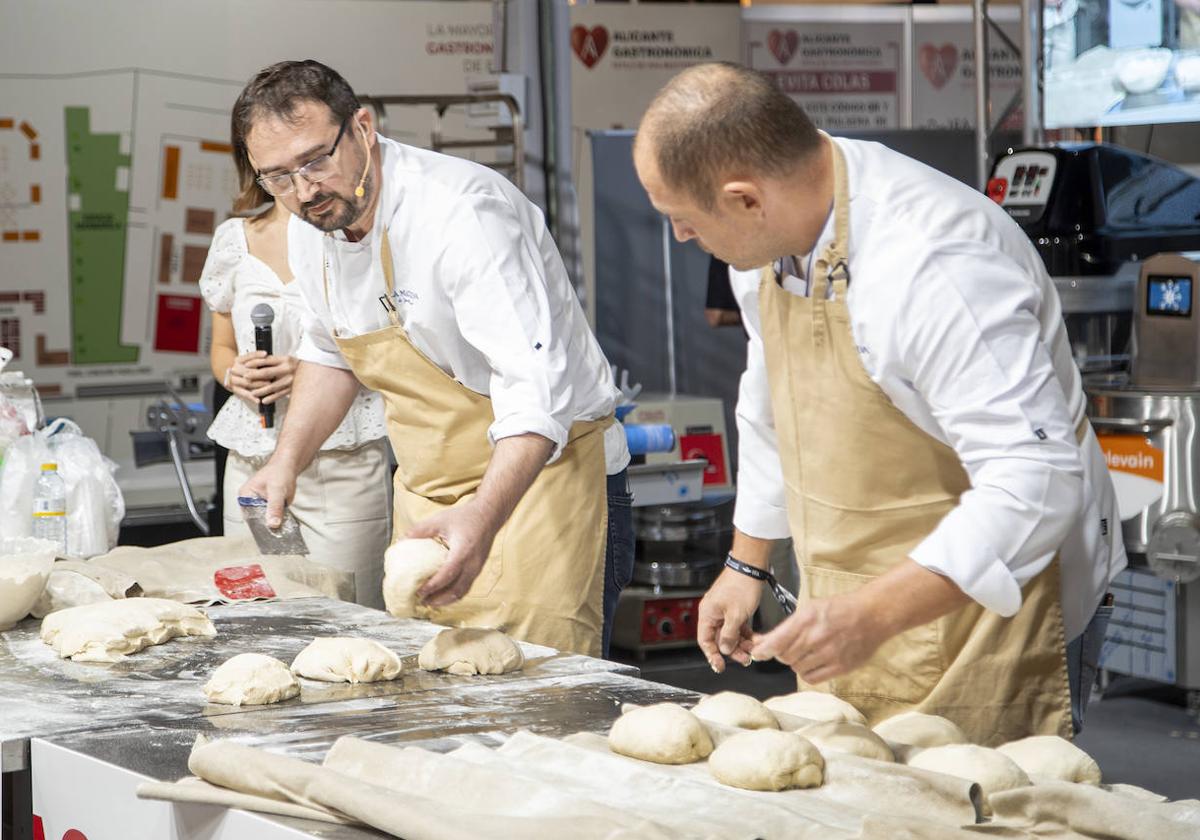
{"x":262,"y":316}
{"x":358,"y":191}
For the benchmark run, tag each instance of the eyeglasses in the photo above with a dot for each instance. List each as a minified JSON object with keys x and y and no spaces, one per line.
{"x":315,"y":171}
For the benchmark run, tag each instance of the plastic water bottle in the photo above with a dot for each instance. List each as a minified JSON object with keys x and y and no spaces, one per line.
{"x":50,"y":507}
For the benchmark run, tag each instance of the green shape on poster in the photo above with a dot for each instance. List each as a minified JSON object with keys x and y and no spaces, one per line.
{"x":96,"y":233}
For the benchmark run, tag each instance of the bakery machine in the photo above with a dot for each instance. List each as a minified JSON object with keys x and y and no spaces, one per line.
{"x":1147,"y":421}
{"x":177,"y":432}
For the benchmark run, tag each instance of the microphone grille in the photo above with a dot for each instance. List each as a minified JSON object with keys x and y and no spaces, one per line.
{"x":262,"y":315}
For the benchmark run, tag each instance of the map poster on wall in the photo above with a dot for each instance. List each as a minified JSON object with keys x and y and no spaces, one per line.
{"x":845,"y":65}
{"x":944,"y":67}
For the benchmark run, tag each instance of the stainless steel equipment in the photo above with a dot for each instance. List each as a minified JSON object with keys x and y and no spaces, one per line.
{"x":177,"y":435}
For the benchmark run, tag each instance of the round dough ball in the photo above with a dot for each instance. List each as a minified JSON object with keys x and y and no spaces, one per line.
{"x":732,"y":709}
{"x":920,"y":730}
{"x":767,"y":759}
{"x":849,"y":738}
{"x":407,"y":564}
{"x":471,"y":650}
{"x":343,"y":659}
{"x":665,"y":733}
{"x":251,"y":679}
{"x":816,"y":706}
{"x":1053,"y":757}
{"x":990,"y":769}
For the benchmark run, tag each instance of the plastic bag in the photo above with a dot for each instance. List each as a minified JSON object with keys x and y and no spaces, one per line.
{"x":95,"y":506}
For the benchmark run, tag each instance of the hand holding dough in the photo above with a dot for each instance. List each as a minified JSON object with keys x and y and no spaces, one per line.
{"x":1054,"y":758}
{"x":343,"y":659}
{"x":767,"y":759}
{"x":665,"y":733}
{"x":251,"y":679}
{"x":471,"y":650}
{"x":991,"y":770}
{"x":920,"y":730}
{"x":815,"y":706}
{"x":732,"y":709}
{"x":848,"y":738}
{"x":107,"y":631}
{"x":407,"y":564}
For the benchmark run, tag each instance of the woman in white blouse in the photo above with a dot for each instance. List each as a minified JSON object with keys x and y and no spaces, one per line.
{"x":342,"y":499}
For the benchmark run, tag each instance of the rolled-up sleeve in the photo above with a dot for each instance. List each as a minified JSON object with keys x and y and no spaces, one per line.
{"x":761,"y":509}
{"x":505,"y":308}
{"x":970,"y":345}
{"x":304,"y":259}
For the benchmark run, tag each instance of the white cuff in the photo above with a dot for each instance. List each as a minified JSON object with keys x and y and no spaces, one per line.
{"x":310,"y":352}
{"x":531,"y":423}
{"x":756,"y":519}
{"x":986,"y":579}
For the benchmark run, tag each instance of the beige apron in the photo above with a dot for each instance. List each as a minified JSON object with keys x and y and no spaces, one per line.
{"x":543,"y":581}
{"x":864,"y":487}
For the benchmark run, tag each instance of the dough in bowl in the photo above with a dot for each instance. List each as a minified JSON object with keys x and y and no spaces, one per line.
{"x":848,"y":738}
{"x":251,"y":679}
{"x":665,"y":733}
{"x":345,"y":659}
{"x":767,"y":759}
{"x":407,"y":564}
{"x":920,"y":730}
{"x":106,"y":632}
{"x":815,"y":706}
{"x":990,"y":769}
{"x":1053,"y":757}
{"x":732,"y":709}
{"x":471,"y":650}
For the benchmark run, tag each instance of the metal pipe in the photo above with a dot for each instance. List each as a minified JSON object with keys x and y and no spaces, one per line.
{"x":983,"y":121}
{"x":1031,"y":65}
{"x":177,"y":460}
{"x":669,"y":293}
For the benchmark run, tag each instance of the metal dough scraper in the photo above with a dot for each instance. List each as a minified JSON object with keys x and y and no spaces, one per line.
{"x":286,"y":539}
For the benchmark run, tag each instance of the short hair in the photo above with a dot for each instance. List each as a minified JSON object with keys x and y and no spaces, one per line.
{"x":276,"y":91}
{"x":717,"y":119}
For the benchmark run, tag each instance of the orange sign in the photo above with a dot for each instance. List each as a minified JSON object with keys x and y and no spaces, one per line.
{"x":1132,"y":454}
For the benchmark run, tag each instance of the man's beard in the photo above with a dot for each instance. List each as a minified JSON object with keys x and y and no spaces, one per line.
{"x":341,"y":213}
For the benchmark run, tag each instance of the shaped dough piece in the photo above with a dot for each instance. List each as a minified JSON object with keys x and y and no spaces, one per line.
{"x":1053,"y":757}
{"x":471,"y":650}
{"x":815,"y":706}
{"x":407,"y":564}
{"x":990,"y":769}
{"x":767,"y":759}
{"x":344,"y":659}
{"x":732,"y":709}
{"x":849,"y":738}
{"x":251,"y":679}
{"x":665,"y":733}
{"x":108,"y":631}
{"x":920,"y":730}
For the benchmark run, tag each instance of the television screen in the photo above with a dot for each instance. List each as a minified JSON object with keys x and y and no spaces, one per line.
{"x":1120,"y":62}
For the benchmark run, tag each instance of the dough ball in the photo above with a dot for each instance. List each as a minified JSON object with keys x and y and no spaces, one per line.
{"x":407,"y":564}
{"x":920,"y":730}
{"x":471,"y":650}
{"x":343,"y":659}
{"x":1053,"y":757}
{"x":665,"y":733}
{"x":990,"y":769}
{"x":767,"y":759}
{"x":107,"y":631}
{"x":815,"y":706}
{"x":251,"y":679}
{"x":849,"y":738}
{"x":732,"y":709}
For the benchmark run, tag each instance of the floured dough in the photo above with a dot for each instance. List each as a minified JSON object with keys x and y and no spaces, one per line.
{"x":767,"y":759}
{"x":733,"y":709}
{"x":990,"y":769}
{"x":665,"y":733}
{"x":815,"y":706}
{"x":251,"y":679}
{"x":849,"y":738}
{"x":471,"y":650}
{"x":344,"y":659}
{"x":920,"y":730}
{"x":1053,"y":757}
{"x":108,"y":631}
{"x":407,"y":564}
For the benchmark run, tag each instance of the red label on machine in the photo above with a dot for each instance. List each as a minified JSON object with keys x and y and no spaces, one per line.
{"x":669,"y":620}
{"x":997,"y":189}
{"x":709,"y":448}
{"x":243,"y":583}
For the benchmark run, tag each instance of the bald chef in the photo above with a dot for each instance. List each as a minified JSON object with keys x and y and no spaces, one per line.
{"x":910,"y":415}
{"x":434,"y":281}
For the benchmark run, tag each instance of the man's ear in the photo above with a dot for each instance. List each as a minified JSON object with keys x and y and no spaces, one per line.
{"x":364,"y":126}
{"x":745,"y":196}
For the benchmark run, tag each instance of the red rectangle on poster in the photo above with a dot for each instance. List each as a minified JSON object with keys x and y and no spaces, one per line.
{"x":710,"y":448}
{"x":177,"y":327}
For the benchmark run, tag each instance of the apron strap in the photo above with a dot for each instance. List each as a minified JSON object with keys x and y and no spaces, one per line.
{"x":389,"y":276}
{"x":833,"y":265}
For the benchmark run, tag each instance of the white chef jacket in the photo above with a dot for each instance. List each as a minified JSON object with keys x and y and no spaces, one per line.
{"x":480,"y":289}
{"x":957,"y":321}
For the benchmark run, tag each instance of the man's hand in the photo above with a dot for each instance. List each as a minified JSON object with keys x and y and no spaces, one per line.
{"x":468,"y":530}
{"x":276,"y":482}
{"x":824,"y":638}
{"x":723,"y":628}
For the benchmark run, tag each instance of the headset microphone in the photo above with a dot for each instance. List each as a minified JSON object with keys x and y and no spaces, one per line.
{"x":358,"y":191}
